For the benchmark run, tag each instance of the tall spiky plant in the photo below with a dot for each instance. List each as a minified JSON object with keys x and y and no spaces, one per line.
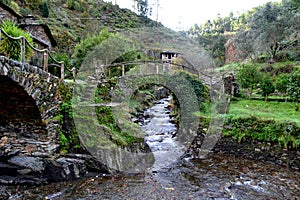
{"x":12,"y":48}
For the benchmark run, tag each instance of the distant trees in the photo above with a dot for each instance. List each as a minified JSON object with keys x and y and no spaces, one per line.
{"x":296,"y":3}
{"x":270,"y":31}
{"x":211,"y":36}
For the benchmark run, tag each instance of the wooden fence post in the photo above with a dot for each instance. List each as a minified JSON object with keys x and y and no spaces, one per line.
{"x":46,"y":61}
{"x":74,"y":73}
{"x":62,"y":71}
{"x":123,"y":70}
{"x":22,"y":50}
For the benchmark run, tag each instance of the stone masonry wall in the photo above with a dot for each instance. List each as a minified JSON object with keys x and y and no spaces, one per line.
{"x":29,"y":101}
{"x":4,"y":14}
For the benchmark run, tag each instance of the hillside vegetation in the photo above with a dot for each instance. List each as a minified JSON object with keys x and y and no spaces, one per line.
{"x":72,"y":20}
{"x":267,"y":32}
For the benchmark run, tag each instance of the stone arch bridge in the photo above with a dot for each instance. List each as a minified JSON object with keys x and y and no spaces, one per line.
{"x":29,"y":101}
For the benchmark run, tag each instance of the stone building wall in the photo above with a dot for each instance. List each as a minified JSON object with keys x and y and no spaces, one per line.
{"x":5,"y":14}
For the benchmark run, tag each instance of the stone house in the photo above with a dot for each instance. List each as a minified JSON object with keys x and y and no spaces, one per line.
{"x":167,"y":56}
{"x":40,"y":33}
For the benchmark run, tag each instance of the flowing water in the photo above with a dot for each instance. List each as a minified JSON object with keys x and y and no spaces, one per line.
{"x":159,"y":131}
{"x":220,"y":176}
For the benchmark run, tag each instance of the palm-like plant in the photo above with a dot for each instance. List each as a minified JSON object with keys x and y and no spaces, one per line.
{"x":12,"y":48}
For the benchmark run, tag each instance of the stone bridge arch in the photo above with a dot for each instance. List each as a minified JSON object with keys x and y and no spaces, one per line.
{"x":29,"y":103}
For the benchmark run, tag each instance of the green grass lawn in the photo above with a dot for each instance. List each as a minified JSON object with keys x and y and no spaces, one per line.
{"x":278,"y":111}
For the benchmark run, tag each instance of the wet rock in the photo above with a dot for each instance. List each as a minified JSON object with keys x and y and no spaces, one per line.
{"x":35,"y":164}
{"x":24,"y":171}
{"x":64,"y":169}
{"x":53,"y":196}
{"x":92,"y":164}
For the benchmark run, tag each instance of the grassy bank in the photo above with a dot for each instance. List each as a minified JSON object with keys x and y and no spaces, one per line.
{"x":273,"y":122}
{"x":277,"y":111}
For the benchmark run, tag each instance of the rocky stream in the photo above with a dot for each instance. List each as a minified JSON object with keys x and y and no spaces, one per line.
{"x":222,"y":175}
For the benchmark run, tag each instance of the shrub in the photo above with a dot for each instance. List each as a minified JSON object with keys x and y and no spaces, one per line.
{"x":282,"y":82}
{"x":5,"y":1}
{"x":71,"y":4}
{"x":12,"y":48}
{"x":33,"y":4}
{"x":69,"y":139}
{"x":44,"y":8}
{"x":25,"y":11}
{"x":86,"y":46}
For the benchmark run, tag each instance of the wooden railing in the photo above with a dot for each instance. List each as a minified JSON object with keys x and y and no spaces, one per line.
{"x":46,"y":54}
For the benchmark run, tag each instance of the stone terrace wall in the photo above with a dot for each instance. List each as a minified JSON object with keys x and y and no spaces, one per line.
{"x":29,"y":101}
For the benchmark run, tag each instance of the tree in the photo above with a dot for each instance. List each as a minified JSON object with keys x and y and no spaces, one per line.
{"x":248,"y":77}
{"x":218,"y":49}
{"x":281,"y":83}
{"x":294,"y":89}
{"x":267,"y":87}
{"x":44,"y":8}
{"x":295,"y":3}
{"x":143,"y":8}
{"x":243,"y":41}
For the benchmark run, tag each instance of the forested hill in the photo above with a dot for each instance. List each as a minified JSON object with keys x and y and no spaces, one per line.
{"x":71,"y":20}
{"x":270,"y":31}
